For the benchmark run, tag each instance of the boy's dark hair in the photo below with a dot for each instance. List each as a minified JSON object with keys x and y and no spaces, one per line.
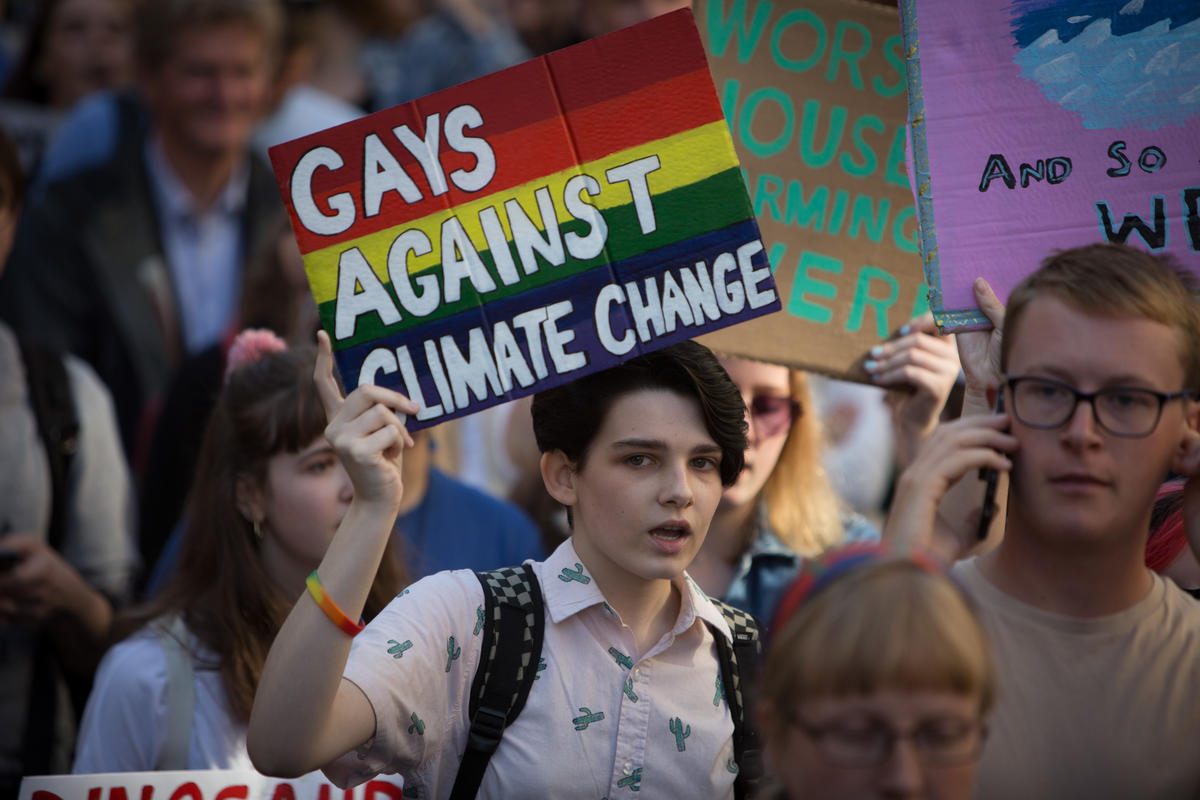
{"x":568,"y":417}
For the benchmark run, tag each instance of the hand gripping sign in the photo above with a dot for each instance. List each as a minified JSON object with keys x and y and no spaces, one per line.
{"x":523,"y":229}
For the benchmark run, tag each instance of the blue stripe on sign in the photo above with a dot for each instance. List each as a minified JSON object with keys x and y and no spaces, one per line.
{"x":479,"y":358}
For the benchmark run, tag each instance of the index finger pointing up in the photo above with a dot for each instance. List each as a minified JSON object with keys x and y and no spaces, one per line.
{"x":327,"y":386}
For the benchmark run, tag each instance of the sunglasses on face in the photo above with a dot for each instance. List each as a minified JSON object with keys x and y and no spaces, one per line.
{"x":773,"y":414}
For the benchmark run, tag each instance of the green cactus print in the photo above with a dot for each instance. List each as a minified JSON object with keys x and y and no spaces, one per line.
{"x":567,"y":575}
{"x":541,"y":668}
{"x":732,"y":766}
{"x":720,"y":695}
{"x":398,"y":649}
{"x":621,"y":659}
{"x":676,"y":727}
{"x":418,"y":725}
{"x":629,"y":692}
{"x":479,"y":620}
{"x":587,"y":717}
{"x":633,"y":783}
{"x":452,"y":653}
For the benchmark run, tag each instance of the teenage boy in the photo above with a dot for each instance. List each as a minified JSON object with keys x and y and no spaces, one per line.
{"x":1097,"y":656}
{"x":630,"y":699}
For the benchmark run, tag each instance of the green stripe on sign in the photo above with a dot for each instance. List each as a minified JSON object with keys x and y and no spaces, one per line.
{"x":689,"y":211}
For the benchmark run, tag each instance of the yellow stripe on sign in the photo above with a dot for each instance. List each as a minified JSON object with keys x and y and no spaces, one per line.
{"x":685,"y":158}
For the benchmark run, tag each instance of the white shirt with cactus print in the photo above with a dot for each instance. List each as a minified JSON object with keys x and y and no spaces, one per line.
{"x":600,"y":722}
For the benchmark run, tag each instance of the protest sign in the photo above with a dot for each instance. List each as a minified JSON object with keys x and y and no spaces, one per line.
{"x":1046,"y":124}
{"x":814,"y":95}
{"x":531,"y":226}
{"x":203,"y":785}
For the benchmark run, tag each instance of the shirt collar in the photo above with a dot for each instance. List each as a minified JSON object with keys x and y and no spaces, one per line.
{"x":174,"y":197}
{"x":567,"y":589}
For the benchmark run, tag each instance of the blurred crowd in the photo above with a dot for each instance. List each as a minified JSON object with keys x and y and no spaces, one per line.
{"x":165,"y":476}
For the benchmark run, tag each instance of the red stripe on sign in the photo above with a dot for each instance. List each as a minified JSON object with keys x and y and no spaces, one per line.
{"x":507,"y":100}
{"x":654,"y":112}
{"x":522,"y":155}
{"x":624,"y":61}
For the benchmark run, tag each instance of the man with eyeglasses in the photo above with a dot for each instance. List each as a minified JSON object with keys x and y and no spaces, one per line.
{"x":1097,"y":656}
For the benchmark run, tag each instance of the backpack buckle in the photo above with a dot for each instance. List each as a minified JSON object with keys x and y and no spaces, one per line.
{"x":487,"y":728}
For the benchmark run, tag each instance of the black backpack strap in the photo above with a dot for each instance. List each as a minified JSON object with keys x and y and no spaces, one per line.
{"x":739,"y":677}
{"x":514,"y":625}
{"x":58,"y":427}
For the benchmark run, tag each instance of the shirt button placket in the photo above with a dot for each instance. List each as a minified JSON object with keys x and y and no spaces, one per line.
{"x":632,"y":730}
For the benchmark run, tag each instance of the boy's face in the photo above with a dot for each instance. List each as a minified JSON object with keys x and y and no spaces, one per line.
{"x":1078,"y":484}
{"x":643,"y":498}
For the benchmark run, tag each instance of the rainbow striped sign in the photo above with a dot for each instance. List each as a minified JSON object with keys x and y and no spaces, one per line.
{"x":528,"y":227}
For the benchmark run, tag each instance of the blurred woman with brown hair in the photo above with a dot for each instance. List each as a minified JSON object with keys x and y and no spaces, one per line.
{"x":268,"y":496}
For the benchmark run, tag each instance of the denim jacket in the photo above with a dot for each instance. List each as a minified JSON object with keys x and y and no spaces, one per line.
{"x":768,"y":566}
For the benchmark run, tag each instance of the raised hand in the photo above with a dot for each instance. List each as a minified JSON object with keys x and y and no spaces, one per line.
{"x":919,"y":368}
{"x":979,"y":351}
{"x":364,"y":430}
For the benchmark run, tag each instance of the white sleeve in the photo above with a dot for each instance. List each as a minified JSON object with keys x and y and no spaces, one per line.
{"x":125,"y":721}
{"x":99,"y":536}
{"x":415,"y":663}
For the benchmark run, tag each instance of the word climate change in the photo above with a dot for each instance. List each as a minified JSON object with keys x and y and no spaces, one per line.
{"x":519,"y":338}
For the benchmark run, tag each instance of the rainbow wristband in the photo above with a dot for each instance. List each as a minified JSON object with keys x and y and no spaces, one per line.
{"x":331,"y":608}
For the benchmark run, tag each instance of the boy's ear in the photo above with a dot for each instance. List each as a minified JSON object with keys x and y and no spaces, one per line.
{"x":249,"y":498}
{"x":558,"y":473}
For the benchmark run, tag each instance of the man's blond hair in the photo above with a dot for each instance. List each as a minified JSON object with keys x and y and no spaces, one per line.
{"x":1117,"y":281}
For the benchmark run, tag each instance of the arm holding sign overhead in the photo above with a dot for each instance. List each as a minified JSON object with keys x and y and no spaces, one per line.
{"x":305,"y":714}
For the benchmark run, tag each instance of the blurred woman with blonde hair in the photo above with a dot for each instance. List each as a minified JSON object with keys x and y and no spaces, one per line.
{"x":783,"y":508}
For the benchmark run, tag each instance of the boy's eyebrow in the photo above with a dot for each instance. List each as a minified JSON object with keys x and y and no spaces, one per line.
{"x":641,"y":444}
{"x":705,"y":448}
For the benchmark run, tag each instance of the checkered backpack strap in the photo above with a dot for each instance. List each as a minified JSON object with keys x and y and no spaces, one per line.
{"x":514,"y":625}
{"x":739,"y":677}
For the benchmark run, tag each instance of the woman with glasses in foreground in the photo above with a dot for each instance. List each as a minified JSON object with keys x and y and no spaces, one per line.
{"x":877,"y":682}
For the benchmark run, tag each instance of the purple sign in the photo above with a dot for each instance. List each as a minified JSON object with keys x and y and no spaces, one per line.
{"x":1039,"y":125}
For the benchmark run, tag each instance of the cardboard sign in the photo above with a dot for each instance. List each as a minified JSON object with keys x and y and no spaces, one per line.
{"x":1046,"y":124}
{"x":203,"y":785}
{"x":814,"y":94}
{"x":528,"y":227}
